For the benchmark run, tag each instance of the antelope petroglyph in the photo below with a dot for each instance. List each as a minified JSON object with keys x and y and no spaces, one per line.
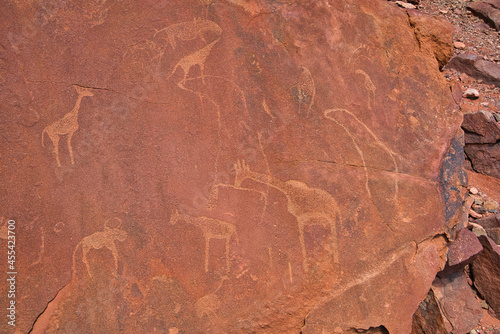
{"x":212,"y":229}
{"x":189,"y":30}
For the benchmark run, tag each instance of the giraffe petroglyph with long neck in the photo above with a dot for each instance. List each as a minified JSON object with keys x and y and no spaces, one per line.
{"x":310,"y":206}
{"x":212,"y":229}
{"x":66,"y":125}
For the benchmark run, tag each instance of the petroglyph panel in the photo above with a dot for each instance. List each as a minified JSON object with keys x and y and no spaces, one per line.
{"x":256,"y":165}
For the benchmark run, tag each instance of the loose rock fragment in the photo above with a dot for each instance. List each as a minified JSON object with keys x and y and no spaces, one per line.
{"x":471,"y":93}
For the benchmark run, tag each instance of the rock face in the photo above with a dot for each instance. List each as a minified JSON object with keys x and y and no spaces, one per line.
{"x":482,"y":146}
{"x":488,"y":10}
{"x":476,"y":67}
{"x":223,"y":167}
{"x":486,"y":271}
{"x":492,"y":226}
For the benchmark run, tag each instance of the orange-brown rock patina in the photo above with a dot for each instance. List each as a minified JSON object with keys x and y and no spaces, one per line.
{"x":222,"y":166}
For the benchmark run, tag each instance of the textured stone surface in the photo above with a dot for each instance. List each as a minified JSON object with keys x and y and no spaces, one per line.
{"x":428,"y":318}
{"x":460,"y":307}
{"x":486,"y":271}
{"x":484,"y":158}
{"x":434,"y":35}
{"x":464,"y":249}
{"x":489,"y":11}
{"x":492,"y":226}
{"x":480,"y":128}
{"x":223,"y":166}
{"x":476,"y":67}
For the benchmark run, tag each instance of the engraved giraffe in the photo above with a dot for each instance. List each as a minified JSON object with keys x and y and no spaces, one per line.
{"x":212,"y":229}
{"x":197,"y":58}
{"x":189,"y":30}
{"x":98,"y":240}
{"x":309,"y":206}
{"x":66,"y":125}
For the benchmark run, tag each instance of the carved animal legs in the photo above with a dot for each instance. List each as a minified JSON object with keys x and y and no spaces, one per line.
{"x":55,"y":141}
{"x":207,"y":252}
{"x":70,"y":148}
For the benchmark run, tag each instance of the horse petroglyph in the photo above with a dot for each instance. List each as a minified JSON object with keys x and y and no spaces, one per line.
{"x":66,"y":125}
{"x":309,"y":206}
{"x":212,"y":229}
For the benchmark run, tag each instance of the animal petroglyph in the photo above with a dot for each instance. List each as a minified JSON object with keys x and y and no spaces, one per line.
{"x":98,"y":240}
{"x":212,"y":229}
{"x":306,"y":89}
{"x":189,"y":30}
{"x":197,"y":58}
{"x":66,"y":125}
{"x":208,"y":304}
{"x":309,"y":206}
{"x":369,"y":87}
{"x":330,"y":114}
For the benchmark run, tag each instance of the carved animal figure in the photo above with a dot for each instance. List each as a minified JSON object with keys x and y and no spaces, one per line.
{"x":212,"y":229}
{"x":208,"y":304}
{"x":310,"y":206}
{"x":196,"y":58}
{"x":190,"y":30}
{"x":98,"y":240}
{"x":66,"y":125}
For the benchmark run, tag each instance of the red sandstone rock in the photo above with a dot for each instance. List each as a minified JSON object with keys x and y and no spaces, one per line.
{"x":460,"y":307}
{"x":428,"y":317}
{"x":476,"y":67}
{"x":489,"y":11}
{"x":434,"y":35}
{"x":491,"y":225}
{"x":486,"y":271}
{"x":464,"y":249}
{"x":481,"y":128}
{"x":484,"y":158}
{"x":186,"y":167}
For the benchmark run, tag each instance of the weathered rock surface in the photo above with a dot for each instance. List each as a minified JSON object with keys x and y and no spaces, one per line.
{"x":488,"y":10}
{"x":480,"y":128}
{"x":482,"y":142}
{"x":461,"y":310}
{"x":428,"y":319}
{"x":491,"y":225}
{"x":223,"y":167}
{"x":433,"y":34}
{"x":464,"y":249}
{"x":486,"y":271}
{"x":476,"y":67}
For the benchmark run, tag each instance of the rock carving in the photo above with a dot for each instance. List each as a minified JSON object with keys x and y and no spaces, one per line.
{"x":66,"y":125}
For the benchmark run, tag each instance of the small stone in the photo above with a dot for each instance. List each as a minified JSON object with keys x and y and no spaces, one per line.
{"x":485,"y":104}
{"x":474,"y":214}
{"x":478,"y":201}
{"x":478,"y":230}
{"x":471,"y":93}
{"x":443,"y":11}
{"x":473,"y":191}
{"x":459,"y":45}
{"x":490,"y":205}
{"x":473,"y":332}
{"x":406,"y":5}
{"x":479,"y":208}
{"x":484,"y":304}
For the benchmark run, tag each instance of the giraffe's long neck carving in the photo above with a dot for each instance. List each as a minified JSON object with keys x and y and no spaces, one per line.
{"x":76,"y":108}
